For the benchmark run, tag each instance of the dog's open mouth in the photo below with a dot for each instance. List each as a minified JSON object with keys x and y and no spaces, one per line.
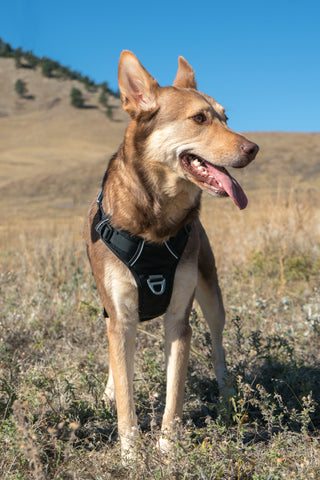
{"x":215,"y":179}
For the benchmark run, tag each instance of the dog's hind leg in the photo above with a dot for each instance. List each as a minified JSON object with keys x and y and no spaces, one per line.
{"x":209,"y":297}
{"x":109,"y":393}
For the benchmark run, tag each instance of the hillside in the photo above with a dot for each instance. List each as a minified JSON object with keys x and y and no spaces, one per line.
{"x":53,"y":155}
{"x":46,"y":140}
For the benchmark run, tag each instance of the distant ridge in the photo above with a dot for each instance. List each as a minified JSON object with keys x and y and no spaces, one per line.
{"x":50,"y":68}
{"x":54,"y":154}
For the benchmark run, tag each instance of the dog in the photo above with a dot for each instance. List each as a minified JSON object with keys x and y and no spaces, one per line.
{"x":177,"y":144}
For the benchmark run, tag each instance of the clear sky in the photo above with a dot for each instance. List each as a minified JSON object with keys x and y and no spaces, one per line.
{"x":260,"y":59}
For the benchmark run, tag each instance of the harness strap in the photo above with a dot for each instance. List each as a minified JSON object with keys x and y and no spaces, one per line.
{"x":153,"y":265}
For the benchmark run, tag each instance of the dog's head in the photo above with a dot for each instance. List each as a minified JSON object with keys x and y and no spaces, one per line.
{"x":183,"y":129}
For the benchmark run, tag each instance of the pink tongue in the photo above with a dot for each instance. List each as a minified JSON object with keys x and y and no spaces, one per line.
{"x":231,"y":187}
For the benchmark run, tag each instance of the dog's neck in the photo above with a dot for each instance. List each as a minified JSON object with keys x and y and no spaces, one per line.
{"x":152,"y":202}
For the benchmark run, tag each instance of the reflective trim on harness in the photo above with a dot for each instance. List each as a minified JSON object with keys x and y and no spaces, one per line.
{"x":172,"y":253}
{"x":153,"y":265}
{"x":136,"y":256}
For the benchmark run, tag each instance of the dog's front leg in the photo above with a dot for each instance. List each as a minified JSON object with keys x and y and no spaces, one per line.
{"x":177,"y":346}
{"x":122,"y":349}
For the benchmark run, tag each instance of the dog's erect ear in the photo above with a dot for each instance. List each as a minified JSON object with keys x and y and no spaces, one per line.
{"x":139,"y":90}
{"x":185,"y":75}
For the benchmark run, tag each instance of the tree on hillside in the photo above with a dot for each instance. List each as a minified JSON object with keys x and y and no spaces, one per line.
{"x":109,"y":112}
{"x":17,"y":55}
{"x":47,"y":67}
{"x":31,"y":59}
{"x":76,"y":98}
{"x":5,"y":49}
{"x":89,"y":84}
{"x":105,"y":87}
{"x":20,"y":87}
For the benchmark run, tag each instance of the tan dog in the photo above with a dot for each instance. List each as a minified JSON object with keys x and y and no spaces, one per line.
{"x":176,"y":145}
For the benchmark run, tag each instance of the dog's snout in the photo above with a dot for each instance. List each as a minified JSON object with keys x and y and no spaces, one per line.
{"x":250,"y":149}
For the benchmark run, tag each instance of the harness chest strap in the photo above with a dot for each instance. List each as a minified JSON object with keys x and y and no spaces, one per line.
{"x":153,"y":265}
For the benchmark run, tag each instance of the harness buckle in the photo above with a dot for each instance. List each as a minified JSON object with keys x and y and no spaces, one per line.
{"x":104,"y":229}
{"x":157,"y":284}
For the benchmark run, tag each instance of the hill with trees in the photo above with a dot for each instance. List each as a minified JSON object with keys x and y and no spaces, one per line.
{"x":58,"y":129}
{"x":26,"y":70}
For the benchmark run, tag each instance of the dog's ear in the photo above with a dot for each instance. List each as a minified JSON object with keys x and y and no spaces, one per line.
{"x":185,"y":77}
{"x":139,"y":90}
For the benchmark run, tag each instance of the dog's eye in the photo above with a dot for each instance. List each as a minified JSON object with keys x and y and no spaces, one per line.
{"x":199,"y":118}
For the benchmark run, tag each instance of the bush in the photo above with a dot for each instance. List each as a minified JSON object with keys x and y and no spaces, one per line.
{"x":20,"y":87}
{"x":103,"y":98}
{"x":31,"y":59}
{"x":5,"y":49}
{"x":109,"y":112}
{"x":76,"y":98}
{"x":47,"y":67}
{"x":17,"y":55}
{"x":105,"y":87}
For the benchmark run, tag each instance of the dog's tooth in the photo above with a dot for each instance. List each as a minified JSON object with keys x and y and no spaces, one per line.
{"x":220,"y":184}
{"x":196,"y":163}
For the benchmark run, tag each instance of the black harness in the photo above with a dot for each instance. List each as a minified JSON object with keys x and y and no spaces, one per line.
{"x":153,"y":265}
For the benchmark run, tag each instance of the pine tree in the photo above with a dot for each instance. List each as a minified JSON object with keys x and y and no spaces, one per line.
{"x":109,"y":112}
{"x":105,"y":88}
{"x":76,"y":98}
{"x":31,"y":59}
{"x":20,"y":87}
{"x":103,"y":98}
{"x":17,"y":55}
{"x":47,"y":67}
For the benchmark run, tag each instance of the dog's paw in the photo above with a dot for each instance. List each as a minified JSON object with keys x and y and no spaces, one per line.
{"x":226,"y":391}
{"x":129,"y":446}
{"x":109,"y":396}
{"x":165,"y":445}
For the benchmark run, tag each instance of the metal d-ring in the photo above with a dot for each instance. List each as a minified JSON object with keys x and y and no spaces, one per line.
{"x":157,"y":284}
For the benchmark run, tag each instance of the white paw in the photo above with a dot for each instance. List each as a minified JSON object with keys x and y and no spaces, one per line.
{"x":164,"y":445}
{"x":109,"y":396}
{"x":129,"y":446}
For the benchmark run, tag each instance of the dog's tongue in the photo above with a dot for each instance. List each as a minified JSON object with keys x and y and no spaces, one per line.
{"x":231,"y":187}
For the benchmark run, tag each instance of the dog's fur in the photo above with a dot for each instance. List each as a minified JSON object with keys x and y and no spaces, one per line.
{"x":176,"y":138}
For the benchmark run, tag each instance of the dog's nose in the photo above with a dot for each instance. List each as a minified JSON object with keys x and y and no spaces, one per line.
{"x":250,"y":149}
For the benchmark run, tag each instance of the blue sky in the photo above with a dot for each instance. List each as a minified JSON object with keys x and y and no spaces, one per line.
{"x":260,"y":59}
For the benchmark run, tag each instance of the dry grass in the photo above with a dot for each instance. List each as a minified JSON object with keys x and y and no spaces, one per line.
{"x":54,"y":357}
{"x":54,"y":351}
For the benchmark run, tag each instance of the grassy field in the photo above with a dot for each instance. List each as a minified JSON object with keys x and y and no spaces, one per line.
{"x":54,"y":350}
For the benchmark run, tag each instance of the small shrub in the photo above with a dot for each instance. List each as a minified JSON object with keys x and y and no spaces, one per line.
{"x":20,"y":87}
{"x":17,"y":55}
{"x":31,"y":59}
{"x":76,"y":98}
{"x":109,"y":112}
{"x":298,"y":267}
{"x":47,"y":67}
